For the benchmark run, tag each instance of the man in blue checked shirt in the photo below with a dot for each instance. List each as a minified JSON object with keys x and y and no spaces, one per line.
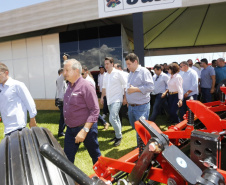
{"x":139,"y":86}
{"x":15,"y":101}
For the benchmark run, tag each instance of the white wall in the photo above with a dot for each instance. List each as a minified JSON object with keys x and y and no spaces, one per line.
{"x":34,"y":61}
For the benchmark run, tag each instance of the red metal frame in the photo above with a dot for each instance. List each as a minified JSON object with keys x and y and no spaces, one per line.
{"x":106,"y":167}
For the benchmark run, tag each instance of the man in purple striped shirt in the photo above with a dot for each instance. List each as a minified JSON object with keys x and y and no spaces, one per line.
{"x":81,"y":110}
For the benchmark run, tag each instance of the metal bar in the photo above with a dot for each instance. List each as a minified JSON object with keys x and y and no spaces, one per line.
{"x":61,"y":162}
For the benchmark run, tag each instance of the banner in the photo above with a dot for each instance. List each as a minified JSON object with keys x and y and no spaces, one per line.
{"x":109,"y":8}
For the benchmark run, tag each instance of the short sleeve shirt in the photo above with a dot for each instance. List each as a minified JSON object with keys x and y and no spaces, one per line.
{"x":206,"y":77}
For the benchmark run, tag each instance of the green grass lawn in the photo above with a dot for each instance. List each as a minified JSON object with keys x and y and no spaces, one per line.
{"x":49,"y":119}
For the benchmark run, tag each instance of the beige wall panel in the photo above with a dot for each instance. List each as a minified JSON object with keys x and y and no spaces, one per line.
{"x":43,"y":104}
{"x":51,"y":60}
{"x":6,"y":51}
{"x":19,"y":49}
{"x":34,"y":47}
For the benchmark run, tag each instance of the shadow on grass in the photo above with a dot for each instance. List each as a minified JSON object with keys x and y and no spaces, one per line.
{"x":111,"y":133}
{"x":116,"y":153}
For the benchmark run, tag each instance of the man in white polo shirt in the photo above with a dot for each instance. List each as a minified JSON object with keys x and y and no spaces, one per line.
{"x":113,"y":84}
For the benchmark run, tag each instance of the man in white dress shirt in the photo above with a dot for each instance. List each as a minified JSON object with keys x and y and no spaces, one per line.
{"x":113,"y":84}
{"x":15,"y":101}
{"x":190,"y":86}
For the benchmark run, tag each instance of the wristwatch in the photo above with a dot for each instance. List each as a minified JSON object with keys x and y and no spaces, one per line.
{"x":86,"y":129}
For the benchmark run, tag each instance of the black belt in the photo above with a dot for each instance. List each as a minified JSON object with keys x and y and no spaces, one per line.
{"x":77,"y":126}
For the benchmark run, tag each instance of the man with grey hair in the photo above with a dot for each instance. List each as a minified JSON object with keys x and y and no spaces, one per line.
{"x":81,"y":110}
{"x":190,"y":86}
{"x":15,"y":101}
{"x":220,"y":70}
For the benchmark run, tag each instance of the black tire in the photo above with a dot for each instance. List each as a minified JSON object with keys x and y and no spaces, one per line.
{"x":22,"y":164}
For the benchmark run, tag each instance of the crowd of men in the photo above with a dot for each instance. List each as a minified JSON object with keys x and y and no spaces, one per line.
{"x":135,"y":90}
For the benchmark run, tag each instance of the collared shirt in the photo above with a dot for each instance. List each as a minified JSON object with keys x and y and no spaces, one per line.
{"x":160,"y":83}
{"x":80,"y":104}
{"x":100,"y":80}
{"x":220,"y":74}
{"x":61,"y":87}
{"x":198,"y":71}
{"x":142,"y":79}
{"x":114,"y":84}
{"x":91,"y":81}
{"x":206,"y":77}
{"x":15,"y":101}
{"x":190,"y":81}
{"x":125,"y":75}
{"x":175,"y":85}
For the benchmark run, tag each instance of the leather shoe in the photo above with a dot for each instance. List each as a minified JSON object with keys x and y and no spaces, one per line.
{"x":61,"y":134}
{"x":106,"y":126}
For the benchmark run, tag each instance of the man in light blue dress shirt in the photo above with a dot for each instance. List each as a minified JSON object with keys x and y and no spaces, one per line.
{"x":139,"y":86}
{"x":160,"y":86}
{"x":15,"y":101}
{"x":190,"y":86}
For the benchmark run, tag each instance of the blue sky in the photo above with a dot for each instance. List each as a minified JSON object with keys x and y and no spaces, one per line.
{"x":6,"y":5}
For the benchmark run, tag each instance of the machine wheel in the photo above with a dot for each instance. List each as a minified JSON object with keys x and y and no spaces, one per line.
{"x":22,"y":164}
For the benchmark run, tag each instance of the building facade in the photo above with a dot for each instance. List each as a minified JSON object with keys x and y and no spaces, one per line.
{"x":34,"y":38}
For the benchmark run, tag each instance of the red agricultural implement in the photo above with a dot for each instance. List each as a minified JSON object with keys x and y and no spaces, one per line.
{"x":207,"y":146}
{"x":159,"y":159}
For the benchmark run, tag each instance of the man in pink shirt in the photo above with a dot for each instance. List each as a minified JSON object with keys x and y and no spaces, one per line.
{"x":81,"y":110}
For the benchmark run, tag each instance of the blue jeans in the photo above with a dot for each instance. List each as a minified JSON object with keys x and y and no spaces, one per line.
{"x":61,"y":121}
{"x":90,"y":142}
{"x":134,"y":113}
{"x":114,"y":118}
{"x":173,"y":100}
{"x":183,"y":109}
{"x":101,"y":119}
{"x":159,"y":103}
{"x":206,"y":95}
